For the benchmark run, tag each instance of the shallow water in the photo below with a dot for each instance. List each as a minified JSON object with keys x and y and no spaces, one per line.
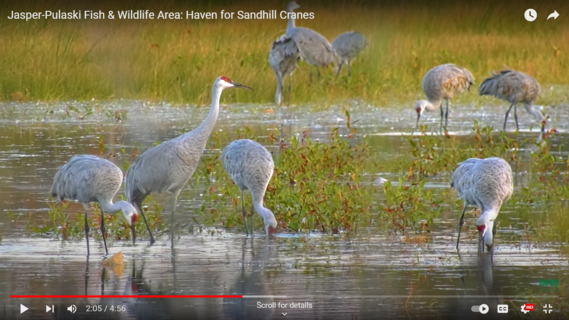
{"x":356,"y":276}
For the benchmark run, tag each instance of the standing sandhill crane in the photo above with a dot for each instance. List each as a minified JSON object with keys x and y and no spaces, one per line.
{"x":283,"y":59}
{"x":486,"y":183}
{"x":514,"y":87}
{"x":169,"y":166}
{"x":442,"y":82}
{"x":87,"y":179}
{"x":251,"y":167}
{"x":313,"y":47}
{"x":348,"y":46}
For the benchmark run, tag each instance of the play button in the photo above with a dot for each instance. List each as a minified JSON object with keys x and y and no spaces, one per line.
{"x":483,"y":308}
{"x":23,"y":308}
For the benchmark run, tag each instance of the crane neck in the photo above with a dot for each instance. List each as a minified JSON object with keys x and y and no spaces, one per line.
{"x":535,"y":113}
{"x":263,"y":212}
{"x":204,"y":130}
{"x":290,"y":26}
{"x":109,"y":207}
{"x":433,"y":105}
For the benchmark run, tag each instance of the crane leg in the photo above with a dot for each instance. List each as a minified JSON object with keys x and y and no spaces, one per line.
{"x":350,"y":69}
{"x":310,"y":71}
{"x":339,"y":70}
{"x":86,"y":231}
{"x":103,"y":233}
{"x":493,"y":241}
{"x":175,"y":202}
{"x":289,"y":88}
{"x":279,"y":94}
{"x":244,"y":212}
{"x":442,"y":116}
{"x":252,"y":214}
{"x":138,"y":205}
{"x":516,"y":116}
{"x":507,"y":113}
{"x":318,"y":71}
{"x":460,"y":224}
{"x":446,"y":114}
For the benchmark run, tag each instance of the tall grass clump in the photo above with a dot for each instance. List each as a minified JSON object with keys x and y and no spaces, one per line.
{"x":177,"y":60}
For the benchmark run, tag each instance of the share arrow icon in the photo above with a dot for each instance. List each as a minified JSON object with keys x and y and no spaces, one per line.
{"x":554,"y":15}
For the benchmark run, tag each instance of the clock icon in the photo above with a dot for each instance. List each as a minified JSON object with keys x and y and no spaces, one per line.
{"x":530,"y":15}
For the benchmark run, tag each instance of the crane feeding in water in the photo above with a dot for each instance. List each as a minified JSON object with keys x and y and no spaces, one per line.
{"x":313,"y":47}
{"x":283,"y":58}
{"x":87,"y":179}
{"x":442,"y":82}
{"x":169,"y":166}
{"x":487,"y":183}
{"x":347,"y":47}
{"x":251,"y":167}
{"x":514,"y":87}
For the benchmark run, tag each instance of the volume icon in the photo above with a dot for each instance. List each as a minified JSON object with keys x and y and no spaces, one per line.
{"x":72,"y":308}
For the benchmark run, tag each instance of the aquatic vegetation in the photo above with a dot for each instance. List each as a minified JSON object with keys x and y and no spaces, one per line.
{"x":409,"y":205}
{"x":324,"y":185}
{"x":433,"y":154}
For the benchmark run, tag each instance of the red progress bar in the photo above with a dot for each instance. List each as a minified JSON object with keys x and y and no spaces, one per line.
{"x":126,"y":296}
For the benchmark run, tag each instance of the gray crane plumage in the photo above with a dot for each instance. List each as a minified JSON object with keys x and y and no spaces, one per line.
{"x":488,"y":183}
{"x":87,"y":179}
{"x":251,"y":167}
{"x":313,"y":47}
{"x":348,"y":46}
{"x":168,"y":166}
{"x":514,"y":87}
{"x":283,"y":59}
{"x":442,"y":82}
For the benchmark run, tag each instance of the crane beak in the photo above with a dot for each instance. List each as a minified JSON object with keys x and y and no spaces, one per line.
{"x":238,"y":85}
{"x":418,"y":117}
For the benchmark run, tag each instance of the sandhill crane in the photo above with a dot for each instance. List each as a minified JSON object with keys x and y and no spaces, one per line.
{"x":442,"y":82}
{"x":514,"y":87}
{"x":251,"y":167}
{"x":87,"y":179}
{"x":486,"y":183}
{"x":169,"y":166}
{"x":348,"y":46}
{"x":313,"y":47}
{"x":283,"y":58}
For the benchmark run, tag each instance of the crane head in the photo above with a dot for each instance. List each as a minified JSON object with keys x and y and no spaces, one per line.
{"x":291,"y":6}
{"x":130,"y":214}
{"x":270,"y":222}
{"x":486,"y":233}
{"x":420,"y":107}
{"x":224,"y":82}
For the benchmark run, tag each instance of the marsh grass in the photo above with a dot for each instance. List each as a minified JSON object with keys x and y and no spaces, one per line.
{"x":177,"y":60}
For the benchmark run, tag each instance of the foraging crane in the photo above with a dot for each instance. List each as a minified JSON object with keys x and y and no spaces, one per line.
{"x":87,"y":179}
{"x":283,"y":58}
{"x":313,"y":47}
{"x":442,"y":82}
{"x":461,"y":182}
{"x":486,"y":183}
{"x":169,"y":166}
{"x":251,"y":167}
{"x":348,"y":46}
{"x":514,"y":87}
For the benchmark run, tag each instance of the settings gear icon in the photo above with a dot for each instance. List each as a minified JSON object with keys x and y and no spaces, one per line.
{"x":527,"y":307}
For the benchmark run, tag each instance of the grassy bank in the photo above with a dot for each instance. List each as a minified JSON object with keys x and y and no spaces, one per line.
{"x":177,"y":60}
